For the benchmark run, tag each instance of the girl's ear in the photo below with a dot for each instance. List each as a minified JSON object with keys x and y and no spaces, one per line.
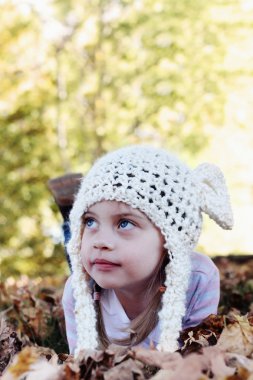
{"x":213,"y":194}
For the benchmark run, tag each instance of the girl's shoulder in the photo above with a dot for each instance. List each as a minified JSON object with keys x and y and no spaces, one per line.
{"x":203,"y":292}
{"x":202,"y":264}
{"x":67,"y":296}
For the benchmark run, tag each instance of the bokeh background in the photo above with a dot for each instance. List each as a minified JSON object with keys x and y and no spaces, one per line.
{"x":80,"y":78}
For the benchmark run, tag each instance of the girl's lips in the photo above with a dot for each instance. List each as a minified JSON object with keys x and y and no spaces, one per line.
{"x":104,"y":265}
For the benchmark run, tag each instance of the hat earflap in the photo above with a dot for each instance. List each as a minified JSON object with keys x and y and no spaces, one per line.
{"x":213,"y":195}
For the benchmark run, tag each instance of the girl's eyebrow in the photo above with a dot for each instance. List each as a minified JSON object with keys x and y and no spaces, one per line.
{"x":129,"y":215}
{"x":89,"y":212}
{"x":120,"y":215}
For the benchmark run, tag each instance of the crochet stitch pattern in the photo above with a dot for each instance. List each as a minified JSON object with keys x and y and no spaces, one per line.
{"x":173,"y":197}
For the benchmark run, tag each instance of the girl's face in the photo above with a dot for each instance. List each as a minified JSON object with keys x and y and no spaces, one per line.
{"x":120,"y":247}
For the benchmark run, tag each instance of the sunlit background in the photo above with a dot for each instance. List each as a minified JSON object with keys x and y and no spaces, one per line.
{"x":80,"y":78}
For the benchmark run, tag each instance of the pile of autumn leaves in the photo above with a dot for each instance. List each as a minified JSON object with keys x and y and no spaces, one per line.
{"x":33,"y":342}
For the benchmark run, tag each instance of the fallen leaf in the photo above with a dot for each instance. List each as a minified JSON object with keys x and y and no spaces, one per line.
{"x":32,"y":364}
{"x":216,"y":362}
{"x":163,"y":374}
{"x":237,"y":337}
{"x":237,"y":361}
{"x":129,"y":369}
{"x":191,"y":368}
{"x":44,"y":370}
{"x":201,"y":338}
{"x":10,"y":344}
{"x":22,"y":361}
{"x":164,"y":360}
{"x":4,"y":329}
{"x":242,"y":374}
{"x":95,"y":355}
{"x":121,"y":353}
{"x":71,"y":371}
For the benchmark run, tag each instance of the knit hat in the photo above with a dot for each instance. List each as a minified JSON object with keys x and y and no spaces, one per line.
{"x":173,"y":197}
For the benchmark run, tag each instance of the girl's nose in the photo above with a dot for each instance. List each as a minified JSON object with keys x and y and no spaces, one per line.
{"x":104,"y":238}
{"x":104,"y":244}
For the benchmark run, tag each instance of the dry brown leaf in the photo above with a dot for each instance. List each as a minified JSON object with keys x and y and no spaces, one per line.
{"x":201,"y":338}
{"x":191,"y":368}
{"x":242,"y":374}
{"x":96,"y":355}
{"x":203,"y":335}
{"x":8,"y":376}
{"x":32,"y":364}
{"x":72,"y":371}
{"x":196,"y":366}
{"x":21,"y":363}
{"x":237,"y":337}
{"x":120,"y":353}
{"x":4,"y":329}
{"x":164,"y":360}
{"x":44,"y":370}
{"x":163,"y":374}
{"x":216,"y":362}
{"x":237,"y":361}
{"x":65,"y":357}
{"x":10,"y":344}
{"x":125,"y":371}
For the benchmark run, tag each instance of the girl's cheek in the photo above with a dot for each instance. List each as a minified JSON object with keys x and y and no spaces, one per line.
{"x":84,"y":260}
{"x":82,"y":250}
{"x":85,"y":264}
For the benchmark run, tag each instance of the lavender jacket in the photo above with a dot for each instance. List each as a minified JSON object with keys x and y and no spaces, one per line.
{"x":202,"y":299}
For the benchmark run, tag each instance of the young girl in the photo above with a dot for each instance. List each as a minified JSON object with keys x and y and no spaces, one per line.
{"x":134,"y":224}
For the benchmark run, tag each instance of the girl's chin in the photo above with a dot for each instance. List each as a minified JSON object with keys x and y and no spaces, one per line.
{"x":107,"y":285}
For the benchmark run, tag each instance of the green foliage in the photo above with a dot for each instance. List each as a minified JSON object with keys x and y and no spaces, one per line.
{"x":79,"y":78}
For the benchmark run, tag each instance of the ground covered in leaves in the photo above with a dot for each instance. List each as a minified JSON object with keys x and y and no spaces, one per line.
{"x":33,"y":340}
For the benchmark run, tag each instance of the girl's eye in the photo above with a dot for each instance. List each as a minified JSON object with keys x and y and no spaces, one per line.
{"x":89,"y":222}
{"x":126,"y":224}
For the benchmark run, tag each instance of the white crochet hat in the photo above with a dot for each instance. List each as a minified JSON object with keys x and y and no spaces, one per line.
{"x":172,"y":196}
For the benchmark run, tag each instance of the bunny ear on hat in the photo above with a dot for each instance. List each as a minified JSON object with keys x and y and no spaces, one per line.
{"x":213,"y":194}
